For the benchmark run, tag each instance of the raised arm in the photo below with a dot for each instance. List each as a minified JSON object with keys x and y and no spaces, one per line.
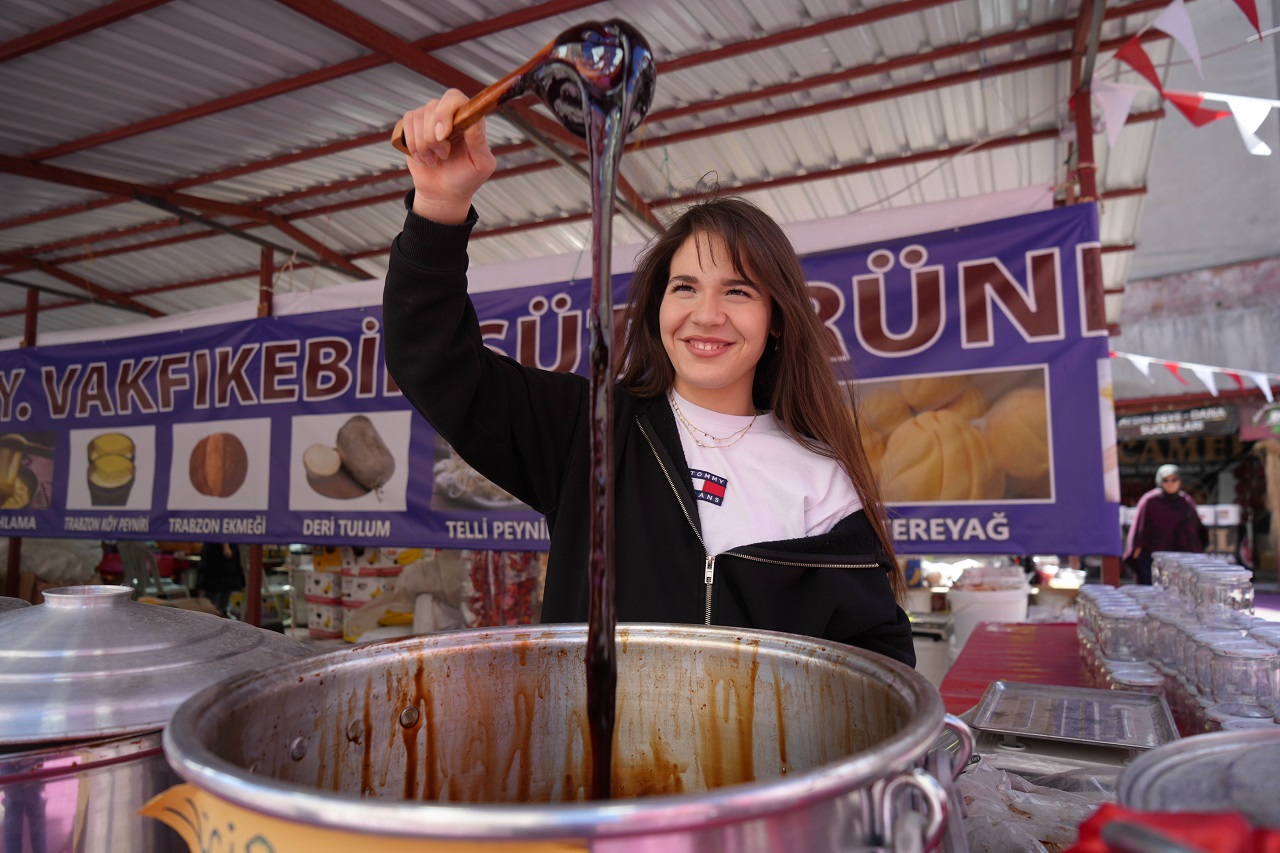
{"x":513,"y":424}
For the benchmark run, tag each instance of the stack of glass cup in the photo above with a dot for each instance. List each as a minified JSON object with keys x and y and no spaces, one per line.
{"x":1190,"y":637}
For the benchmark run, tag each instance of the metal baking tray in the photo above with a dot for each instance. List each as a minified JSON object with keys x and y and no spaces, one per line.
{"x":1116,"y":718}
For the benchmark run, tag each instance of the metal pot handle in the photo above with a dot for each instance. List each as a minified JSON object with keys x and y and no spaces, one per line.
{"x":964,"y":752}
{"x":884,"y":793}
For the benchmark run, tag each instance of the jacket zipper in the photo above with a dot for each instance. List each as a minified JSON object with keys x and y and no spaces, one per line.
{"x":709,"y":568}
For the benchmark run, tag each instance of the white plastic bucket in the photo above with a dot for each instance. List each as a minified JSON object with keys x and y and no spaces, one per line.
{"x":919,"y":599}
{"x":971,"y":606}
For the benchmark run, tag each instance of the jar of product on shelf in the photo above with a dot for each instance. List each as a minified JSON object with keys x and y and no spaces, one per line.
{"x":1224,"y":597}
{"x":1195,"y":636}
{"x":1236,"y":725}
{"x":1166,"y":629}
{"x":1245,"y":677}
{"x":1122,"y":632}
{"x":1136,"y":679}
{"x":1267,"y":632}
{"x":1217,"y":719}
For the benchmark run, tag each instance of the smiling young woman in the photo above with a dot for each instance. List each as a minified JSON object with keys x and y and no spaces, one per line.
{"x":742,"y":495}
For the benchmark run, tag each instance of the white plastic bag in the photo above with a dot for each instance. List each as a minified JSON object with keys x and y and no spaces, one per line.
{"x":1004,"y":812}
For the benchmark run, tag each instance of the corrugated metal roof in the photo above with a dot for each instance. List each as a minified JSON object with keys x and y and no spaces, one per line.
{"x":815,"y":108}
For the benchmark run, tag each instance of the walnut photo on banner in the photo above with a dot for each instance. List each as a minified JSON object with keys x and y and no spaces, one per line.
{"x":221,"y":465}
{"x":957,"y":437}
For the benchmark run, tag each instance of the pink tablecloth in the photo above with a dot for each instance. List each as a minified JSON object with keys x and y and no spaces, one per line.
{"x":997,"y":651}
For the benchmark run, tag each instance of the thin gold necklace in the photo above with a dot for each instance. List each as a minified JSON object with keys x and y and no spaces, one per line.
{"x":716,"y":441}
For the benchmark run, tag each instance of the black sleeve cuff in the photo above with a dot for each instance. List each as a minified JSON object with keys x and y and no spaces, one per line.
{"x":433,"y":246}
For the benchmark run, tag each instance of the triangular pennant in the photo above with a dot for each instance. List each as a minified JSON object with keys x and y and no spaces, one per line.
{"x":1263,"y":382}
{"x":1175,"y":369}
{"x":1250,"y":10}
{"x":1236,"y":378}
{"x":1205,"y":375}
{"x":1175,"y":21}
{"x":1188,"y":103}
{"x":1249,"y":114}
{"x":1142,"y":363}
{"x":1114,"y":100}
{"x":1135,"y":55}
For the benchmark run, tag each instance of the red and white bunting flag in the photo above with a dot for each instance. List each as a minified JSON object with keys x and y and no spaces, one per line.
{"x":1176,"y":370}
{"x":1175,"y":21}
{"x":1114,"y":100}
{"x":1250,"y":10}
{"x":1141,"y":362}
{"x":1188,"y":103}
{"x":1249,"y":114}
{"x":1205,"y":375}
{"x":1263,"y":382}
{"x":1135,"y":55}
{"x":1236,"y":378}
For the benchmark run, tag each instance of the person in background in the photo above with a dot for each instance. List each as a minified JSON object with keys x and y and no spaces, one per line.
{"x":742,"y":494}
{"x":1166,"y":520}
{"x":220,"y":573}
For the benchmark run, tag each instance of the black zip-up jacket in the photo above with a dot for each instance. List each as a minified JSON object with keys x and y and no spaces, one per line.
{"x":528,"y":431}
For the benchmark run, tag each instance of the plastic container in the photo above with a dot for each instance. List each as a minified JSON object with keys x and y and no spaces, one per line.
{"x":971,"y":606}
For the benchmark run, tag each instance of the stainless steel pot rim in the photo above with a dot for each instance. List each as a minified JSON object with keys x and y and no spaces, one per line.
{"x":197,"y":765}
{"x":1138,"y":785}
{"x":65,"y":759}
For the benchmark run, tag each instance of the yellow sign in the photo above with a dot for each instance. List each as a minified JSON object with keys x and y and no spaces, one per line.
{"x":209,"y":824}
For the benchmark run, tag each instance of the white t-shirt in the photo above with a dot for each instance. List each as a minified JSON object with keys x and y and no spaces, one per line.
{"x":764,"y":487}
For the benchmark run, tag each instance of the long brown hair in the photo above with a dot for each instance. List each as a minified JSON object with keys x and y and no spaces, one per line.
{"x":794,"y":378}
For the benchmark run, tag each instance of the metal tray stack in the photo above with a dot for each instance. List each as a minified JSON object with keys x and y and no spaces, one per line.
{"x":1076,"y":726}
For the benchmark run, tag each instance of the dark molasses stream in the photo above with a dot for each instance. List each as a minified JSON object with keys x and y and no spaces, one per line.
{"x":615,"y":79}
{"x":598,"y":79}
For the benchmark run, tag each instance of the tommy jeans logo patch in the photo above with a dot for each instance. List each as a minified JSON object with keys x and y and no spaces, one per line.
{"x":708,"y":487}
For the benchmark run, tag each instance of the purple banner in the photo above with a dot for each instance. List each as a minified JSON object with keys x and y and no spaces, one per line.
{"x":982,"y":373}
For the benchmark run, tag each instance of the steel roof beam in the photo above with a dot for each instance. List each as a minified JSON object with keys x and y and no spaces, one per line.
{"x":364,"y":32}
{"x":177,"y":203}
{"x":76,"y":26}
{"x":71,"y":178}
{"x":841,"y":171}
{"x":313,"y":78}
{"x":536,"y":13}
{"x":224,"y":174}
{"x":941,"y":82}
{"x":118,"y":300}
{"x":855,"y":100}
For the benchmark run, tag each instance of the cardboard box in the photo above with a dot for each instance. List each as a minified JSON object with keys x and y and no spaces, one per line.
{"x":324,"y":621}
{"x":362,"y":588}
{"x":401,"y":557}
{"x":326,"y":558}
{"x":323,"y":588}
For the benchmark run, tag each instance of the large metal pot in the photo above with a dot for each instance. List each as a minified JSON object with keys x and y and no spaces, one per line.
{"x":1216,"y":772}
{"x":726,"y":740}
{"x":88,"y":679}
